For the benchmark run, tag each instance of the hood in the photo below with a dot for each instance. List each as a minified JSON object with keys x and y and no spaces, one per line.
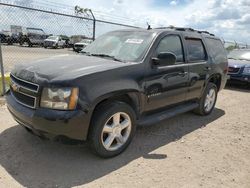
{"x":237,"y":63}
{"x":64,"y":67}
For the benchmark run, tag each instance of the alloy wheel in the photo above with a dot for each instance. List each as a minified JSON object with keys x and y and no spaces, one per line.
{"x":116,"y":131}
{"x":210,"y":100}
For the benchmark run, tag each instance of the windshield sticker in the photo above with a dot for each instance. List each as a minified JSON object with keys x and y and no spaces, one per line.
{"x":134,"y":41}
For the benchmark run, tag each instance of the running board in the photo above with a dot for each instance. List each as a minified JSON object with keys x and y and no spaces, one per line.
{"x":158,"y":117}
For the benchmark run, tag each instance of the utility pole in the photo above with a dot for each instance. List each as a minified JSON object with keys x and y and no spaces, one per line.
{"x":94,"y":22}
{"x":2,"y":71}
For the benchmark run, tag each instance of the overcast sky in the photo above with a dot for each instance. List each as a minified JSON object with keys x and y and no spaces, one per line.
{"x":229,"y":19}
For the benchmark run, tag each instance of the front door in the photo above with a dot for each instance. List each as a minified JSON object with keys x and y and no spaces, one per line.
{"x":167,"y":85}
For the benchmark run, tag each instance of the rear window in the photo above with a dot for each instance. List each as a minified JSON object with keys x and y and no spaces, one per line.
{"x":196,"y":50}
{"x":216,"y":50}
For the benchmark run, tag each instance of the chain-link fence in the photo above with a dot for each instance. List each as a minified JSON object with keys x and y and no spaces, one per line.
{"x":231,"y":45}
{"x":30,"y":33}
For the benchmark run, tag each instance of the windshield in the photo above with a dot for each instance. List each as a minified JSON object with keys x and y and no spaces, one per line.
{"x":122,"y":45}
{"x":53,"y":38}
{"x":239,"y":55}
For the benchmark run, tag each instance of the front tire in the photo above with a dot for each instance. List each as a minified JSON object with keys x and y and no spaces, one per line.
{"x":112,"y":129}
{"x":208,"y":100}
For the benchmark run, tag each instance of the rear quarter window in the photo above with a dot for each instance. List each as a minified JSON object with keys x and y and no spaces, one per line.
{"x":196,"y":50}
{"x":216,"y":50}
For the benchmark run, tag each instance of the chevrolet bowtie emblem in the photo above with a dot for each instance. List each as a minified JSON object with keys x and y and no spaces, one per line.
{"x":15,"y":87}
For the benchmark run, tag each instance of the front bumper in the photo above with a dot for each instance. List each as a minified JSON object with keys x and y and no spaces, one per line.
{"x":239,"y":78}
{"x":50,"y":123}
{"x":78,"y":49}
{"x":49,"y":45}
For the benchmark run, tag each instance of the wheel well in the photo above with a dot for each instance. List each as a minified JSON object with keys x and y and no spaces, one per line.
{"x":130,"y":99}
{"x":216,"y":79}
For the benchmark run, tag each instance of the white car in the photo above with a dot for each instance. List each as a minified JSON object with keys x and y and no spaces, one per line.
{"x":82,"y":44}
{"x":54,"y":42}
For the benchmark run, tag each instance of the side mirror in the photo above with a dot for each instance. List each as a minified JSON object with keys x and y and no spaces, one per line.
{"x":164,"y":59}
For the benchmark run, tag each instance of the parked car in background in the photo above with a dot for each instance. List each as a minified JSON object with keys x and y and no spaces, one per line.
{"x":239,"y":65}
{"x":5,"y":37}
{"x":15,"y":38}
{"x":54,"y":42}
{"x":82,"y":44}
{"x":104,"y":93}
{"x":75,"y":38}
{"x":66,"y":39}
{"x":33,"y":36}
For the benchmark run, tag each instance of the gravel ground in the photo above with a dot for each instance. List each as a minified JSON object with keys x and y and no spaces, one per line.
{"x":184,"y":151}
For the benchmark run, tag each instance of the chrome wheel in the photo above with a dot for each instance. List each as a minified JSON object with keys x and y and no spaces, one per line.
{"x":116,"y":131}
{"x":210,"y":100}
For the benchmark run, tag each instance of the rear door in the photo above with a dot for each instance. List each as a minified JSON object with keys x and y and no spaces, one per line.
{"x":167,"y":85}
{"x":198,"y":66}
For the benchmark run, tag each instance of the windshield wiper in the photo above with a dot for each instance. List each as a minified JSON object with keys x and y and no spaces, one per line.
{"x":232,"y":58}
{"x":106,"y":55}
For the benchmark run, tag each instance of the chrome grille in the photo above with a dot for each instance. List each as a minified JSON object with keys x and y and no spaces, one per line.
{"x":24,"y":91}
{"x":48,"y":43}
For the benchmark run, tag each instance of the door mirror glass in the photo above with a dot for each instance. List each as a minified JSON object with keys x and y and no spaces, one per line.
{"x":164,"y":59}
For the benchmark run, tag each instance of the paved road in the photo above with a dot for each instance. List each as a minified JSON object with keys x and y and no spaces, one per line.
{"x":18,"y":54}
{"x":184,"y":151}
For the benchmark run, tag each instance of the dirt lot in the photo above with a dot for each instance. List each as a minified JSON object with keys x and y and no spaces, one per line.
{"x":19,"y":54}
{"x":185,"y":151}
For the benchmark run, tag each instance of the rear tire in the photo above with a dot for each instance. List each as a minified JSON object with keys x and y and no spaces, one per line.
{"x":112,"y":129}
{"x":208,"y":100}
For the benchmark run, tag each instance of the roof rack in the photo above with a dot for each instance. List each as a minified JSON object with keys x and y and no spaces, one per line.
{"x":185,"y":29}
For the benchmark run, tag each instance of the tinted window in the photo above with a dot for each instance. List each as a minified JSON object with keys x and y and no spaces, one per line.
{"x":216,"y":50}
{"x":172,"y":44}
{"x":196,"y":51}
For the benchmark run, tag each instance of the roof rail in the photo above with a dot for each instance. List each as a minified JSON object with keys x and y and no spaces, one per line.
{"x":186,"y":29}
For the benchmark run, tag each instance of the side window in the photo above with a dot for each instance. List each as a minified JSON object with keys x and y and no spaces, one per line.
{"x":171,"y":43}
{"x":216,"y":50}
{"x":196,"y":50}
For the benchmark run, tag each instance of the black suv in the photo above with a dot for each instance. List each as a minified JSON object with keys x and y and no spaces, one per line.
{"x":123,"y":79}
{"x":5,"y":37}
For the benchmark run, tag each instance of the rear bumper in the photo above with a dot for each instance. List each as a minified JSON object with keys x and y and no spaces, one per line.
{"x":50,"y":123}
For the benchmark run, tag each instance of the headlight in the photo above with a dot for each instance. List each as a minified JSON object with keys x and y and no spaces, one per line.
{"x":246,"y":70}
{"x":59,"y":98}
